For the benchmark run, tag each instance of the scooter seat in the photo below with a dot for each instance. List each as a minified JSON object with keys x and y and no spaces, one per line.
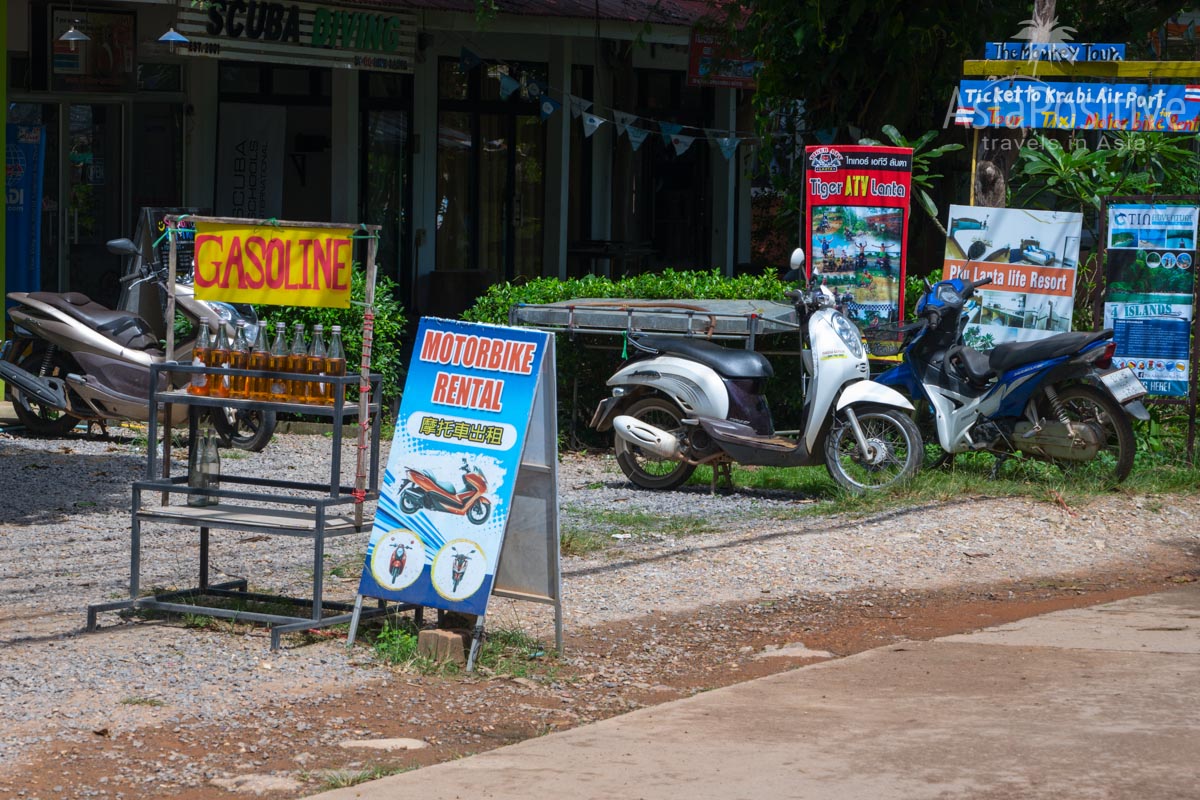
{"x":971,"y":364}
{"x":1014,"y":354}
{"x":123,"y":327}
{"x":727,"y":361}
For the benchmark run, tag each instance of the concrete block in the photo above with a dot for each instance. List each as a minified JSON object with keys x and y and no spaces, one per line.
{"x":440,"y":645}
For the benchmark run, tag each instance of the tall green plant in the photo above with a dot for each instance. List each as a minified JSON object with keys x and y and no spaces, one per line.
{"x":923,"y":160}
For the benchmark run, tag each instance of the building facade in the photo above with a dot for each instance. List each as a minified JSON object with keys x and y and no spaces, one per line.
{"x":535,"y":143}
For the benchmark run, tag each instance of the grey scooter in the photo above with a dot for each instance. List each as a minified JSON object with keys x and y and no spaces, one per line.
{"x":73,"y":359}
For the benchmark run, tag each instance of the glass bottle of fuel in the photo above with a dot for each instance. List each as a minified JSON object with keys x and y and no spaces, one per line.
{"x":198,"y":384}
{"x":318,"y":391}
{"x":297,"y":361}
{"x":260,"y":361}
{"x":335,"y":363}
{"x":218,"y":356}
{"x":278,"y":364}
{"x":239,"y":358}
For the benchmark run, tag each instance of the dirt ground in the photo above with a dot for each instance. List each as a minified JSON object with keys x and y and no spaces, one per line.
{"x":607,"y":670}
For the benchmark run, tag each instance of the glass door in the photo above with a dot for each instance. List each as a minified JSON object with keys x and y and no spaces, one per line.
{"x":93,"y":210}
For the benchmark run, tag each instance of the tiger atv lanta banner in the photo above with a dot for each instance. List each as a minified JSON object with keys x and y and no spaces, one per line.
{"x":273,"y":265}
{"x":858,"y":205}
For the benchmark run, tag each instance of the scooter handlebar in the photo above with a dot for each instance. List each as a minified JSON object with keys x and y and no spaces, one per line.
{"x":973,"y":285}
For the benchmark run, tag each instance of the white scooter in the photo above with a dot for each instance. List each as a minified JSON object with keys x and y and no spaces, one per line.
{"x":681,"y":402}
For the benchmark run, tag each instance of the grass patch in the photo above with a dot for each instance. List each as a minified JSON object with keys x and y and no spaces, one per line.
{"x":504,"y":651}
{"x":594,"y":532}
{"x":574,"y":541}
{"x":152,"y":702}
{"x":344,"y":778}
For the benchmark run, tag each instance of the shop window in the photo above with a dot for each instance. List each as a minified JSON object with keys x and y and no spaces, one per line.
{"x":239,"y":78}
{"x":159,"y":77}
{"x":452,"y":81}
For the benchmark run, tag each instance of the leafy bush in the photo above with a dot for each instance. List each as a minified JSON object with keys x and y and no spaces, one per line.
{"x":585,"y":362}
{"x":386,"y":342}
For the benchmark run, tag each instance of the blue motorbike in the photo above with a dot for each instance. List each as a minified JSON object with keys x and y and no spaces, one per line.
{"x":1056,"y":400}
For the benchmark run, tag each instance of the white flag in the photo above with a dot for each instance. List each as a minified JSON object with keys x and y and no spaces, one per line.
{"x":623,"y":120}
{"x":591,"y":123}
{"x":682,"y":143}
{"x":578,"y":106}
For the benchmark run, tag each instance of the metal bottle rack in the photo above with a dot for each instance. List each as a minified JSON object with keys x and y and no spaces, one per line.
{"x":254,"y":505}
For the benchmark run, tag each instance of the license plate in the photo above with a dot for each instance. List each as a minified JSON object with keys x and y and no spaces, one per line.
{"x":1124,"y":385}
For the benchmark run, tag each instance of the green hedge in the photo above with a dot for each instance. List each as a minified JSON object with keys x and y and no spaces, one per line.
{"x":586,"y":362}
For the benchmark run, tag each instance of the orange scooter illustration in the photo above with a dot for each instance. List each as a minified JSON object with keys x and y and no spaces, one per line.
{"x":422,"y":490}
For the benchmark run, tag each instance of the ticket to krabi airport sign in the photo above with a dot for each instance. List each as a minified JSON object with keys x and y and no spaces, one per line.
{"x":450,"y":478}
{"x":1062,"y":105}
{"x":273,"y":265}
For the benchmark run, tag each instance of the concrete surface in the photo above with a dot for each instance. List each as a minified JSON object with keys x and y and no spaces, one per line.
{"x":1088,"y":703}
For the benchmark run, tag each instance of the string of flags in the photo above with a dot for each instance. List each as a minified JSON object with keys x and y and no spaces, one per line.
{"x":632,"y":126}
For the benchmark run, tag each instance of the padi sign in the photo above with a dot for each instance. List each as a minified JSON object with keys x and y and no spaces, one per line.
{"x":300,"y":33}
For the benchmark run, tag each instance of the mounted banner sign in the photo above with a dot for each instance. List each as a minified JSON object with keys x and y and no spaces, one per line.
{"x":321,"y":35}
{"x":470,"y":476}
{"x":272,"y":265}
{"x":1071,"y":52}
{"x":858,"y":203}
{"x":1025,"y":103}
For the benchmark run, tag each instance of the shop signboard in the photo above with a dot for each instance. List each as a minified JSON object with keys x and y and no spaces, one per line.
{"x":1064,"y":105}
{"x":453,"y":481}
{"x":1031,"y":257}
{"x":24,"y":166}
{"x":378,"y":38}
{"x":105,"y":62}
{"x":273,"y":265}
{"x":250,"y":161}
{"x":713,"y":62}
{"x":858,"y":204}
{"x":1149,"y":300}
{"x":1071,"y":52}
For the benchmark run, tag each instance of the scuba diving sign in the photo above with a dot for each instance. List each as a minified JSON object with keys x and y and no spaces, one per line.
{"x":455,"y":467}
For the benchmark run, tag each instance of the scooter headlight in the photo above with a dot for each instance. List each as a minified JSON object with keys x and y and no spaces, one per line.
{"x":849,"y":335}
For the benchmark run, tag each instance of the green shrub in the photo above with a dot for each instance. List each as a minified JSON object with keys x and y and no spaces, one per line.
{"x":386,"y":342}
{"x":585,"y":362}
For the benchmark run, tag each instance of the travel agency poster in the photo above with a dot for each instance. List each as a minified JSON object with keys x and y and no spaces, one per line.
{"x":1151,"y":274}
{"x":858,"y":203}
{"x":1031,"y":257}
{"x":448,"y":487}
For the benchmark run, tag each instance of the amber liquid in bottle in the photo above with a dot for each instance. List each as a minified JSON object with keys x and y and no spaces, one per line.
{"x":198,"y":383}
{"x":296,"y":361}
{"x":260,"y":361}
{"x":318,"y":391}
{"x":239,"y":357}
{"x":335,"y":365}
{"x":278,"y":364}
{"x":218,"y":356}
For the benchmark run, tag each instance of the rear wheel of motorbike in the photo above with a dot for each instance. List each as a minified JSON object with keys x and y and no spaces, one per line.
{"x":244,"y":428}
{"x":38,"y":419}
{"x":1114,"y":460}
{"x":479,"y":511}
{"x":895,"y":451}
{"x":642,"y":468}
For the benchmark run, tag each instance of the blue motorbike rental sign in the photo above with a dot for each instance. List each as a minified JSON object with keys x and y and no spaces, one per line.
{"x":448,"y":488}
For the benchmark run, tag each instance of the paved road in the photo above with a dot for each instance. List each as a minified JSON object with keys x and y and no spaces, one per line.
{"x":1088,"y":703}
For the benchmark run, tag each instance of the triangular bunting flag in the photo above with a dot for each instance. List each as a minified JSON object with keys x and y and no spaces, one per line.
{"x":508,"y":85}
{"x":590,"y":123}
{"x":549,"y":106}
{"x":669,"y":129}
{"x":623,"y":120}
{"x":636,"y":136}
{"x":578,"y":105}
{"x":728,"y":145}
{"x":682,"y":143}
{"x":468,"y":61}
{"x":533,"y":90}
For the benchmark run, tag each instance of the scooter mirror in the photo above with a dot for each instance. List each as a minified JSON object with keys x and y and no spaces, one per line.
{"x":797,"y":262}
{"x":122,"y":247}
{"x":975,"y":250}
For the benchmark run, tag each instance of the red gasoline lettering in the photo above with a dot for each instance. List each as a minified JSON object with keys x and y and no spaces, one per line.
{"x":252,"y":262}
{"x":478,"y":352}
{"x":468,"y":391}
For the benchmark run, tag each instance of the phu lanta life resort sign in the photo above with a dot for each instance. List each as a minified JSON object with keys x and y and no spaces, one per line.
{"x":377,"y":39}
{"x":273,"y":265}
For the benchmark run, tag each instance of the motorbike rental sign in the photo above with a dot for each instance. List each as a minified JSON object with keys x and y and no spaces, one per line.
{"x":273,"y":265}
{"x":449,"y":484}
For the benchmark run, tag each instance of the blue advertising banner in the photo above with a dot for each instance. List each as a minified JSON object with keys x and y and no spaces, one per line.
{"x":1027,"y":103}
{"x":1151,"y":254}
{"x":24,"y":165}
{"x":448,"y":488}
{"x":1072,"y":52}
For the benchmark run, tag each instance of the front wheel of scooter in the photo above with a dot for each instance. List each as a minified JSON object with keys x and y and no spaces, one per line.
{"x":644,"y":469}
{"x":894,"y":449}
{"x":244,"y":428}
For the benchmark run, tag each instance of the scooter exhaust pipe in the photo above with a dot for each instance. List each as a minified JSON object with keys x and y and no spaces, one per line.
{"x":654,"y":441}
{"x":47,"y":391}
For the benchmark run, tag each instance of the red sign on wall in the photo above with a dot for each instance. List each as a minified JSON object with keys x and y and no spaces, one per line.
{"x":858,"y":203}
{"x":712,"y":62}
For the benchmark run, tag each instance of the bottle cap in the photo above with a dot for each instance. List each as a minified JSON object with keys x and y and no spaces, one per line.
{"x":280,"y":326}
{"x":318,"y":327}
{"x":336,"y":329}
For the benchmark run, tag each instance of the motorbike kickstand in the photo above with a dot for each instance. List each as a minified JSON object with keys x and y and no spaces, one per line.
{"x":721,"y":471}
{"x":998,"y":465}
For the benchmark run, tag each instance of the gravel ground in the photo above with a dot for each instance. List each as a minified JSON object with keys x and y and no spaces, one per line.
{"x":64,"y":543}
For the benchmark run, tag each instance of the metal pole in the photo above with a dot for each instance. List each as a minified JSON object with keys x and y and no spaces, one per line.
{"x":364,"y":381}
{"x":172,"y":267}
